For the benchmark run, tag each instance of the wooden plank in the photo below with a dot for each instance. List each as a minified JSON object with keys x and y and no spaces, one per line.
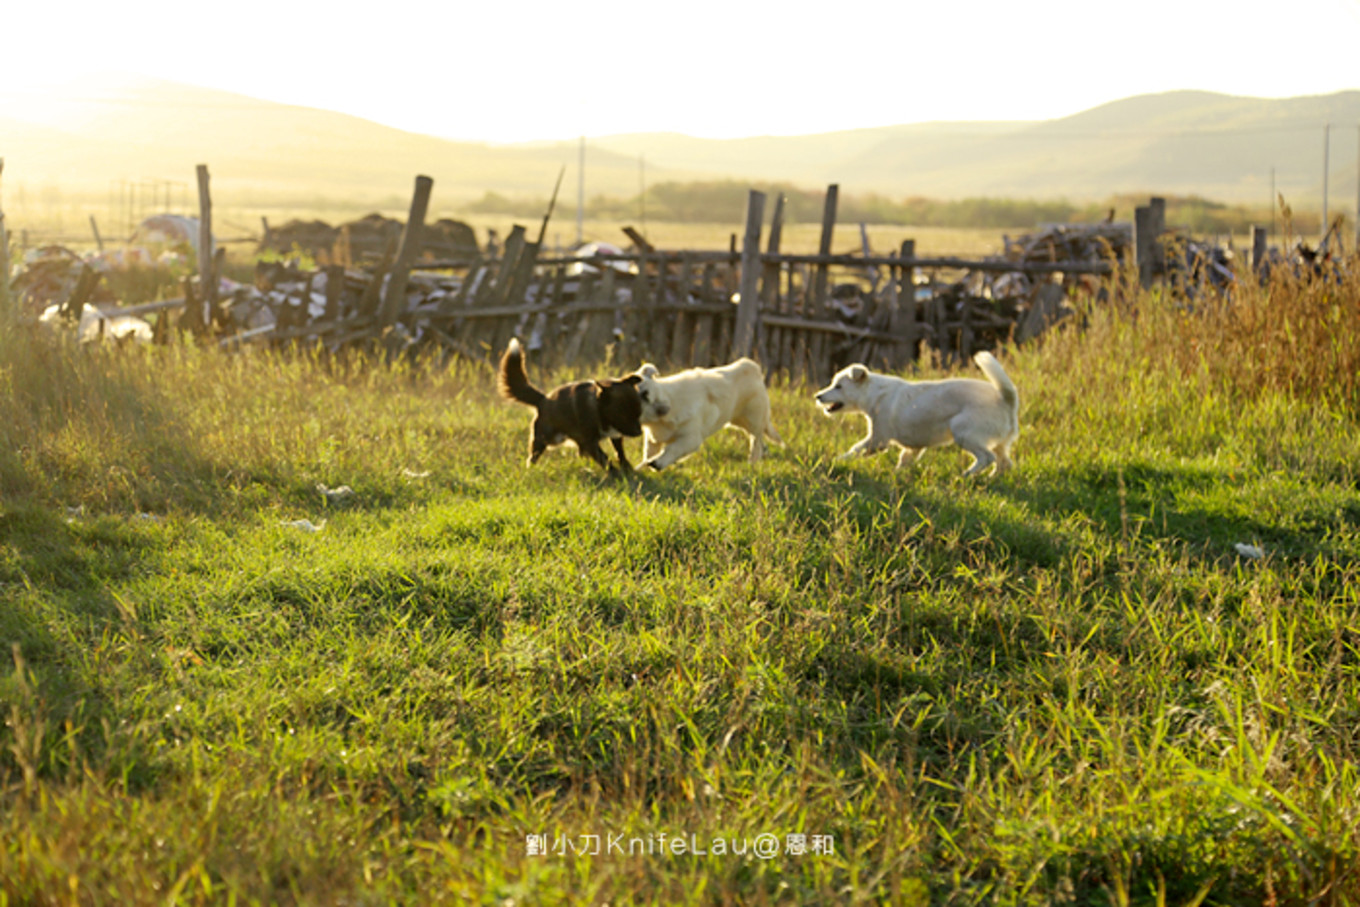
{"x":555,"y":331}
{"x":798,"y":303}
{"x":475,"y":275}
{"x":515,"y":296}
{"x":412,"y":238}
{"x":644,"y":316}
{"x":601,"y":324}
{"x":786,"y":337}
{"x":965,"y":347}
{"x":815,"y":305}
{"x":640,"y":241}
{"x":1144,"y":241}
{"x":335,"y":285}
{"x":86,"y":281}
{"x":514,"y":245}
{"x":683,"y":331}
{"x":372,"y":295}
{"x":748,"y":306}
{"x":578,"y":334}
{"x":1258,"y":249}
{"x":839,"y":328}
{"x":902,"y":323}
{"x":768,"y":340}
{"x":649,"y":295}
{"x":702,"y":354}
{"x":723,"y":324}
{"x":1157,"y":211}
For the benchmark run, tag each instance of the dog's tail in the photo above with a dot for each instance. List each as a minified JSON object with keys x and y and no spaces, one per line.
{"x":1000,"y":380}
{"x":772,"y":434}
{"x":512,"y":382}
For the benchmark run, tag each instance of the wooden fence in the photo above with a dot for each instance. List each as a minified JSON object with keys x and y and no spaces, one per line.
{"x":802,"y":316}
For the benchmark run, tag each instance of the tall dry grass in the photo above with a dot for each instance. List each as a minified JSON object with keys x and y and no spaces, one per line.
{"x":1289,"y":332}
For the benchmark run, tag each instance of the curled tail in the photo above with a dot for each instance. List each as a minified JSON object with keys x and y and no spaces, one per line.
{"x":999,"y":379}
{"x":512,"y":382}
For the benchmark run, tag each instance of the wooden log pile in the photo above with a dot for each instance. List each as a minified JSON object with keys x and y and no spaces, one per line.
{"x":365,"y":241}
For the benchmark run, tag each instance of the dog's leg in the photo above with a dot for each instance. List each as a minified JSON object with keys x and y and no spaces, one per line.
{"x":757,"y":445}
{"x":650,"y":446}
{"x":982,"y":458}
{"x":677,"y":449}
{"x":869,"y":444}
{"x":593,"y":451}
{"x":1003,"y":457}
{"x":909,"y":455}
{"x":623,"y":458}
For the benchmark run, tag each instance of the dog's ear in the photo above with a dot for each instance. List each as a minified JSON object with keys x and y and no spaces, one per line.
{"x":858,"y":374}
{"x":634,"y":380}
{"x":647,"y":371}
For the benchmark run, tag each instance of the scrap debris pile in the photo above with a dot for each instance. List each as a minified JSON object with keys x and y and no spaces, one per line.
{"x":57,"y":286}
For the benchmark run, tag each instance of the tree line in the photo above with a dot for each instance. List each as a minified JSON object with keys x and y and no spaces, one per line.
{"x":724,"y":201}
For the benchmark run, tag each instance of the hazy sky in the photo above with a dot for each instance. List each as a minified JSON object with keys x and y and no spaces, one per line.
{"x":514,"y":71}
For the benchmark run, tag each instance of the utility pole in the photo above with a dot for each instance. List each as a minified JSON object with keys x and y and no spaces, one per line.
{"x":581,"y":193}
{"x":1326,"y":165}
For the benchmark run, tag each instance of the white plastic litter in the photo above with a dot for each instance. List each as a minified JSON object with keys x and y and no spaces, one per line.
{"x":305,"y":525}
{"x":335,"y":495}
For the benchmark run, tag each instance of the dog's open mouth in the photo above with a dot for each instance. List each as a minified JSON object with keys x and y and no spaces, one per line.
{"x":831,"y":407}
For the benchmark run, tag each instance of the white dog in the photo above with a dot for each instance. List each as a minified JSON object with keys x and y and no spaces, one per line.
{"x":982,"y":417}
{"x":680,"y":411}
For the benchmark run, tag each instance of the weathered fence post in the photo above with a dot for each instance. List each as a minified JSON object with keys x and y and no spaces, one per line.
{"x":814,"y":305}
{"x":505,"y":271}
{"x":1157,"y":211}
{"x":748,"y":308}
{"x":1258,"y":249}
{"x":207,"y":281}
{"x":1144,"y":241}
{"x":769,"y":288}
{"x":412,"y":238}
{"x":902,"y":321}
{"x":335,"y":285}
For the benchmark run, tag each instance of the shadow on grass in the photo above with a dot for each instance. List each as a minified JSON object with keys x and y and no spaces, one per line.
{"x":60,"y":564}
{"x":1203,"y":510}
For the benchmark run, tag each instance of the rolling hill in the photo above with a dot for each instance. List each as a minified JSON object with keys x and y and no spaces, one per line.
{"x":263,"y":153}
{"x":1178,"y":143}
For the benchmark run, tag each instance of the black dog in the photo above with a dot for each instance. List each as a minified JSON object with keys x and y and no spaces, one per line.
{"x":586,"y":412}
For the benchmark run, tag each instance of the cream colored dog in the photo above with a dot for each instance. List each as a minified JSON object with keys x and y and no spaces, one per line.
{"x":680,"y":411}
{"x":982,"y":417}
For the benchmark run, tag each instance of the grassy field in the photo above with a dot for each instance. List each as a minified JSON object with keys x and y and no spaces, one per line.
{"x":830,"y":682}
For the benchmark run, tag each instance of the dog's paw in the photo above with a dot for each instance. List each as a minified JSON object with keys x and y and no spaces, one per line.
{"x":654,"y":465}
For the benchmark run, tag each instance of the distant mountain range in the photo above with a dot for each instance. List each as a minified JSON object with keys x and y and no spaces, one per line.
{"x":263,"y":153}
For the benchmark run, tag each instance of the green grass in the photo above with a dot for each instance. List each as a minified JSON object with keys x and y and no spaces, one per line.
{"x":1060,"y":686}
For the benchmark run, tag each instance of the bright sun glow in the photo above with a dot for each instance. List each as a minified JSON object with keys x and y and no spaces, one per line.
{"x":519,"y":72}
